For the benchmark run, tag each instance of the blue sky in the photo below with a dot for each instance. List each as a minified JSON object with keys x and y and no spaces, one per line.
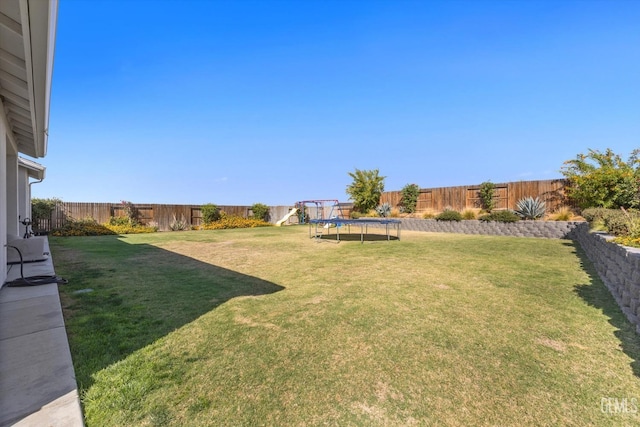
{"x":239,"y":102}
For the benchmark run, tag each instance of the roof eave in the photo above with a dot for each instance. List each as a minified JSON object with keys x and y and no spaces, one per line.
{"x":34,"y":170}
{"x":39,"y":31}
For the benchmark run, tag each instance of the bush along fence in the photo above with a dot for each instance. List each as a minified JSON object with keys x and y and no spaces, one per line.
{"x":505,"y":196}
{"x":161,"y":216}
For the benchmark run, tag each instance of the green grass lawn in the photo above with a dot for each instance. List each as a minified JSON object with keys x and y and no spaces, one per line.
{"x":267,"y":327}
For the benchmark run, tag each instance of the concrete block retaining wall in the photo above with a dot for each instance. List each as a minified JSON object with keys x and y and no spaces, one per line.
{"x":617,"y":266}
{"x":544,"y":229}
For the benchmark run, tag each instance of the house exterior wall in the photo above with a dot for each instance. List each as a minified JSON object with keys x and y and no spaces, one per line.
{"x":24,"y":194}
{"x":3,"y":198}
{"x":12,"y":194}
{"x":15,"y":197}
{"x":29,"y":28}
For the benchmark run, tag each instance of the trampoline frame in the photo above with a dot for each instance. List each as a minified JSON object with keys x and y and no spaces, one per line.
{"x":363,"y":223}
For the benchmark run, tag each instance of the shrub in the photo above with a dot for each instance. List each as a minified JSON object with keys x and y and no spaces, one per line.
{"x":227,"y":222}
{"x":619,"y":222}
{"x":409,"y":200}
{"x":384,"y":210}
{"x":599,"y":218}
{"x":615,"y":223}
{"x":633,"y":222}
{"x":598,"y":179}
{"x":209,"y":213}
{"x":595,"y":215}
{"x":628,"y":241}
{"x":260,"y":211}
{"x":500,"y":216}
{"x":622,"y":223}
{"x":487,"y":190}
{"x":530,"y":208}
{"x":469,"y":214}
{"x":42,"y":209}
{"x":119,"y":221}
{"x":82,"y":227}
{"x":449,"y":215}
{"x":90,"y":227}
{"x":130,"y":212}
{"x":131,"y":229}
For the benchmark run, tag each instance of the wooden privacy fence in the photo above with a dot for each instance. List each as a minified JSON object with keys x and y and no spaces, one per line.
{"x":162,"y":215}
{"x":506,"y":196}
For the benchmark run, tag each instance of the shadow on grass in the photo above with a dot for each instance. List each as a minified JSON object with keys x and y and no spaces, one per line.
{"x":597,"y":295}
{"x":345,"y":234}
{"x":356,"y":237}
{"x":122,"y":297}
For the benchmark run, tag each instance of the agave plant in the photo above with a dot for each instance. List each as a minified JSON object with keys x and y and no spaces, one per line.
{"x":530,"y":208}
{"x":384,"y":210}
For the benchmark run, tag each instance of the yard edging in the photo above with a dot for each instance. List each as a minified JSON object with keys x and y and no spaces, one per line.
{"x":618,"y":266}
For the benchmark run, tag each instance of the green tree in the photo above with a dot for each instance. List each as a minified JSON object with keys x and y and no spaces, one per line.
{"x":409,"y":200}
{"x":130,"y":212}
{"x":603,"y":180}
{"x":41,"y":209}
{"x":210,"y":213}
{"x":366,"y":189}
{"x":260,"y":211}
{"x":487,"y":192}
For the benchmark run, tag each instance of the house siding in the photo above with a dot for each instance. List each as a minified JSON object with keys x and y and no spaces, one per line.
{"x":3,"y":197}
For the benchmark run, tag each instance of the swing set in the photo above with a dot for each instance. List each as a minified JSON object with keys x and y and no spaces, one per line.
{"x":319,"y":208}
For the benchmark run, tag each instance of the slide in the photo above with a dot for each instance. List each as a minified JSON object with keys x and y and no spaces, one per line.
{"x":286,"y":217}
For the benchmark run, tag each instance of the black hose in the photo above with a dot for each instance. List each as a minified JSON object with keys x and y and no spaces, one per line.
{"x":32,"y":280}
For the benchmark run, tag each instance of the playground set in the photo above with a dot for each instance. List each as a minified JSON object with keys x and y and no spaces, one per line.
{"x":307,"y":210}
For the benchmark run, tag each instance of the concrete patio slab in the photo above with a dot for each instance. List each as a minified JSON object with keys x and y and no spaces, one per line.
{"x":63,"y":411}
{"x":37,"y":380}
{"x":39,"y":310}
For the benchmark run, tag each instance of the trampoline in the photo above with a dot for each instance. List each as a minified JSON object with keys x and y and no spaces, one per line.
{"x":325,"y":224}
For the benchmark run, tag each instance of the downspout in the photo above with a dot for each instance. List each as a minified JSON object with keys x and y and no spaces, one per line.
{"x":30,"y":184}
{"x":34,"y":182}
